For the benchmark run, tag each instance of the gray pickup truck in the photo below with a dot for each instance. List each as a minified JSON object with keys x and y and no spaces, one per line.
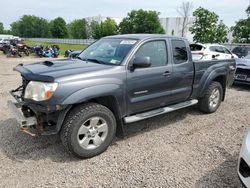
{"x":116,"y":80}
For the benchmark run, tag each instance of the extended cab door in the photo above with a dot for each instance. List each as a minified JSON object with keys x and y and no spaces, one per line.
{"x":183,"y":70}
{"x":149,"y":88}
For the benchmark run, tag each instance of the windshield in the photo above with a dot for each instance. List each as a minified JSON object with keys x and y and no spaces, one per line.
{"x":108,"y":51}
{"x":247,"y":57}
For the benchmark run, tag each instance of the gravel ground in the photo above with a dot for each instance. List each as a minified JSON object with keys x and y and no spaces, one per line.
{"x":181,"y":149}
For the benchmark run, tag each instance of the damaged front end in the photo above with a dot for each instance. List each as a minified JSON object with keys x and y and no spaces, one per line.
{"x":36,"y":117}
{"x":24,"y":115}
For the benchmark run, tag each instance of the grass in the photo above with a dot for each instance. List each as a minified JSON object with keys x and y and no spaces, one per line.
{"x":63,"y":47}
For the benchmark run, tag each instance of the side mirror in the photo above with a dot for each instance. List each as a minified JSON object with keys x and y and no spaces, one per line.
{"x":141,"y":62}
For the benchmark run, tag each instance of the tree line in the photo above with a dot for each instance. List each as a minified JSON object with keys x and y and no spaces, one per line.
{"x":29,"y":26}
{"x":207,"y":27}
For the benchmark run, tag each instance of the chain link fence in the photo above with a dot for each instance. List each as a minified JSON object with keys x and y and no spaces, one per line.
{"x":64,"y":41}
{"x":90,"y":41}
{"x":231,"y":46}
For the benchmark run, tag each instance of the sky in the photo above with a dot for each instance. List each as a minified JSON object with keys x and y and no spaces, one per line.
{"x":228,"y":10}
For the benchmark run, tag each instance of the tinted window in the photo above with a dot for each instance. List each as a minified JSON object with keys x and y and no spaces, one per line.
{"x":196,"y":47}
{"x":218,"y":49}
{"x":179,"y":51}
{"x":157,"y":52}
{"x":213,"y":48}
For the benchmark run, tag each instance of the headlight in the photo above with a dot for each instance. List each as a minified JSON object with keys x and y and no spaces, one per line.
{"x":40,"y":91}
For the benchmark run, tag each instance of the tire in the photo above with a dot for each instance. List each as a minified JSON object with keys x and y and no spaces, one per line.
{"x":79,"y":138}
{"x":213,"y":93}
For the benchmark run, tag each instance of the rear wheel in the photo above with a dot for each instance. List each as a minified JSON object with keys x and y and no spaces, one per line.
{"x":212,"y":98}
{"x":88,"y":130}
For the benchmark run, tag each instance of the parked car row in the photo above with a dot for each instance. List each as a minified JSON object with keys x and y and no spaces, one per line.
{"x":16,"y":48}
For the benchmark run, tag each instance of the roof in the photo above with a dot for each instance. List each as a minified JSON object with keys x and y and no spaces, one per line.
{"x":141,"y":36}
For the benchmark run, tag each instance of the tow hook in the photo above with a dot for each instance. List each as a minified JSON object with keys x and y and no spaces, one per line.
{"x":27,"y":131}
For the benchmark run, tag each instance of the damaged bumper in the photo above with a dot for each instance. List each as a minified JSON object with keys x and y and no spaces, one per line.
{"x":22,"y":121}
{"x":45,"y":119}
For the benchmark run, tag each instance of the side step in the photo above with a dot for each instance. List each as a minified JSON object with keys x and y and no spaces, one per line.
{"x":160,"y":111}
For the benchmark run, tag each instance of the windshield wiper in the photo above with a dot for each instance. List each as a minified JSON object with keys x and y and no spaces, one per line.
{"x":77,"y":57}
{"x":93,"y":60}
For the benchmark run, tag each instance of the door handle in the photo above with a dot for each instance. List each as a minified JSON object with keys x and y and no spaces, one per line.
{"x":167,"y":73}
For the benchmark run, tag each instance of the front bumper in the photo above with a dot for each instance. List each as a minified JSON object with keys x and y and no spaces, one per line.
{"x":241,"y":82}
{"x":46,"y":118}
{"x":244,"y":161}
{"x":24,"y":122}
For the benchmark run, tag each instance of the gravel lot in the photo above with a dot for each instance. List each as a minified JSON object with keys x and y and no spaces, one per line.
{"x":181,"y":149}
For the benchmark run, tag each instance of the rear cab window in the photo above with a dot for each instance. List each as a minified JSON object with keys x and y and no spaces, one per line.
{"x":179,"y":49}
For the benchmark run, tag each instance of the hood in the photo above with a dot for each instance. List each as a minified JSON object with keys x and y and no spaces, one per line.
{"x":48,"y":71}
{"x":242,"y":62}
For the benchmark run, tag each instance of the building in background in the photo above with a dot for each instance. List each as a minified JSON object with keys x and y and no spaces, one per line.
{"x":173,"y":26}
{"x":100,"y":19}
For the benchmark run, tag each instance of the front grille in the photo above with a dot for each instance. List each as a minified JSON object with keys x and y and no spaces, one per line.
{"x":244,"y":169}
{"x":243,"y":71}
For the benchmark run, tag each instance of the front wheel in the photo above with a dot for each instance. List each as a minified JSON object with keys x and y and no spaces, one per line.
{"x":210,"y":102}
{"x":88,"y":130}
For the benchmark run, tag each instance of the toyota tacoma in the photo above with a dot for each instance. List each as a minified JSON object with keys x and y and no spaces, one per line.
{"x":116,"y":80}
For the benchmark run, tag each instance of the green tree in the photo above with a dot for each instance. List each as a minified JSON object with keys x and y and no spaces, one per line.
{"x":77,"y":29}
{"x":58,"y":28}
{"x":207,"y":28}
{"x":241,"y":31}
{"x":109,"y":27}
{"x":221,"y":33}
{"x":1,"y":28}
{"x":30,"y":26}
{"x":141,"y":21}
{"x":106,"y":28}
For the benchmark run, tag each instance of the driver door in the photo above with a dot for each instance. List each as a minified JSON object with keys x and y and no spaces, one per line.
{"x":149,"y":88}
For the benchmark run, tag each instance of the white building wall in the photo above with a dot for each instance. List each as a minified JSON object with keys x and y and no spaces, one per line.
{"x":100,"y":19}
{"x":173,"y":25}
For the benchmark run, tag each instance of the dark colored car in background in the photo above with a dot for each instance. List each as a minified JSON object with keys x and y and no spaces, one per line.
{"x":242,"y":75}
{"x":241,"y":51}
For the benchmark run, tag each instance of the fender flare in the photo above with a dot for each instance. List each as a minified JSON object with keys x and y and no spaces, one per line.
{"x":212,"y":76}
{"x":92,"y":92}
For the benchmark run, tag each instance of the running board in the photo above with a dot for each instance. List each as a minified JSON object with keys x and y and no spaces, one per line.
{"x":160,"y":111}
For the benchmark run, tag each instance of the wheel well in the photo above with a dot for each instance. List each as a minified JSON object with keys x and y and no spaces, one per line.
{"x":222,"y":80}
{"x":110,"y":102}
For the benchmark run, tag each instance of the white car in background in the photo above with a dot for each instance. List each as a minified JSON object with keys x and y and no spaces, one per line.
{"x":244,"y":161}
{"x":210,"y":51}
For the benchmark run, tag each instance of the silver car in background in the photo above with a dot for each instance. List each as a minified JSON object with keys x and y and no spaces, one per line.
{"x":244,"y":160}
